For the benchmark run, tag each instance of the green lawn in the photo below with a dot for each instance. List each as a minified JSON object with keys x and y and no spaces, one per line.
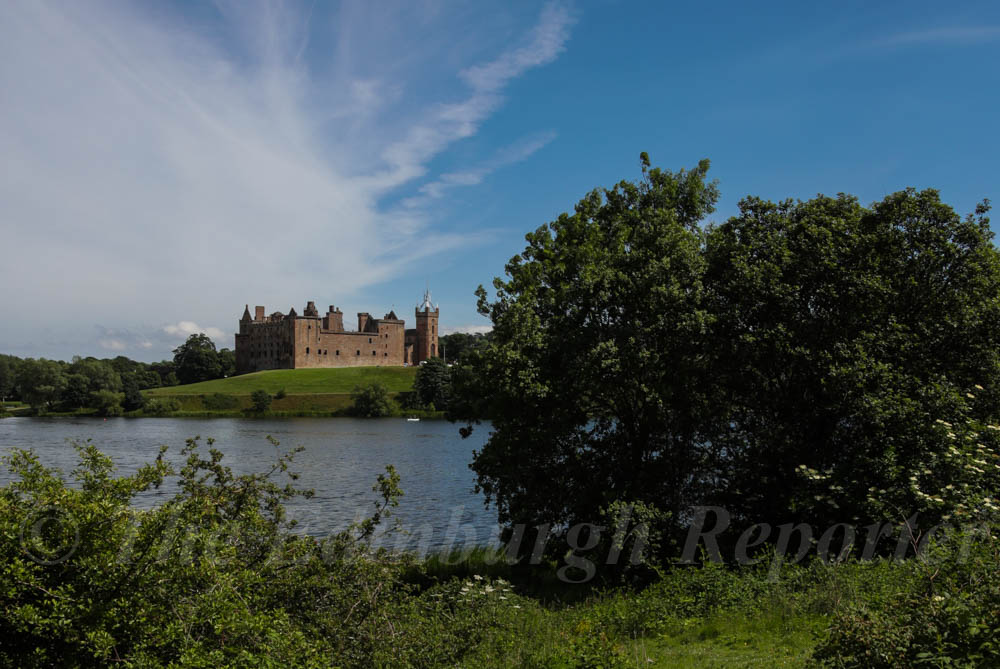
{"x":300,"y":382}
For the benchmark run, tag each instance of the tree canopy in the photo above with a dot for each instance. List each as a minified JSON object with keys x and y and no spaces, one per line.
{"x":197,"y":360}
{"x":433,"y":383}
{"x":640,"y":356}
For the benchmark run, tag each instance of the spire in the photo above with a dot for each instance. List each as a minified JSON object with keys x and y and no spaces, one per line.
{"x":246,"y":313}
{"x":426,"y":304}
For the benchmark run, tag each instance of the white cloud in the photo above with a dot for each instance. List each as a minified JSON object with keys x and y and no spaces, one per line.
{"x":185,"y":329}
{"x":548,"y":39}
{"x":114,"y":344}
{"x":154,"y":168}
{"x":467,"y":329}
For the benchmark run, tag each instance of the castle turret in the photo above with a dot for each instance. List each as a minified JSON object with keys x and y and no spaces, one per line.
{"x":334,"y":320}
{"x":245,"y":321}
{"x":426,"y":345}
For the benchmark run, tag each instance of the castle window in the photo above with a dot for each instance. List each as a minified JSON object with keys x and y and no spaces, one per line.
{"x":369,"y":340}
{"x":357,"y":352}
{"x":385,"y":355}
{"x":307,"y":350}
{"x":337,"y":352}
{"x":373,"y":352}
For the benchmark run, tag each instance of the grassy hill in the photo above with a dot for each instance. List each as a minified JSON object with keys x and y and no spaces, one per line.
{"x":299,"y":382}
{"x":308,"y":392}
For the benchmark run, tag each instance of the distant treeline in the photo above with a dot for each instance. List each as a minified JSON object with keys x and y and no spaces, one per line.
{"x":112,"y":386}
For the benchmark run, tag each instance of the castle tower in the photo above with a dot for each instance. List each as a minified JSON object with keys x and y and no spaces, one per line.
{"x":427,"y":330}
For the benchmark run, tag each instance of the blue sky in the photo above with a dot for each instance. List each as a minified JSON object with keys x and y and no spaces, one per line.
{"x":165,"y":164}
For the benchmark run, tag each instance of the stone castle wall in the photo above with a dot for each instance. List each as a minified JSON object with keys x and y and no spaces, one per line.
{"x":281,"y":341}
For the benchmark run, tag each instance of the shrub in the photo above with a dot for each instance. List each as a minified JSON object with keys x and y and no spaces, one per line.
{"x":161,"y":406}
{"x":212,"y":577}
{"x":220,"y":402}
{"x":107,"y":403}
{"x":280,"y":395}
{"x":372,"y":401}
{"x":946,"y":616}
{"x":261,"y":400}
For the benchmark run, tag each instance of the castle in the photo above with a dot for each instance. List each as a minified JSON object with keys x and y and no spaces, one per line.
{"x":290,"y":341}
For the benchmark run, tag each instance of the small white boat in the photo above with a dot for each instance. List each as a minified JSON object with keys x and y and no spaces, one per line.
{"x":412,"y":420}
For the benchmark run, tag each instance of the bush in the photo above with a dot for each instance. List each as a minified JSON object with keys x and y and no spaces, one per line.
{"x":280,"y":395}
{"x":409,"y":400}
{"x":946,"y":616}
{"x":161,"y":406}
{"x":212,"y":577}
{"x":261,"y":400}
{"x":220,"y":402}
{"x":107,"y":403}
{"x":372,"y":401}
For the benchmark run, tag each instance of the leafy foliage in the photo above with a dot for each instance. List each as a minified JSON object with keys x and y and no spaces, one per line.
{"x":372,"y":401}
{"x":594,"y":375}
{"x":787,"y":365}
{"x":261,"y":400}
{"x":840,"y":334}
{"x":197,"y":360}
{"x":433,"y":383}
{"x":107,"y":402}
{"x":454,"y":345}
{"x":212,"y":577}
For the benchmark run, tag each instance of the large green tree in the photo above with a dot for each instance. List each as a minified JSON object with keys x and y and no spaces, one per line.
{"x":595,"y":379}
{"x":8,"y":374}
{"x":40,"y":382}
{"x":453,"y":345}
{"x":197,"y":360}
{"x":789,"y":364}
{"x":433,"y":383}
{"x":227,"y":362}
{"x":841,"y":333}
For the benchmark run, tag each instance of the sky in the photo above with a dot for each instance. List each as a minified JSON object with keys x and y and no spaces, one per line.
{"x":164,"y":164}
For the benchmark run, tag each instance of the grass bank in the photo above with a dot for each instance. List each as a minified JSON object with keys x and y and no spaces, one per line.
{"x":307,"y":392}
{"x":309,"y":382}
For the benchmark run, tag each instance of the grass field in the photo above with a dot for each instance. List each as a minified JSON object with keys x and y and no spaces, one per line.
{"x":299,"y":382}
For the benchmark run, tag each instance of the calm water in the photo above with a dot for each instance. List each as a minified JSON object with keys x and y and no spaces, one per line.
{"x":341,"y":460}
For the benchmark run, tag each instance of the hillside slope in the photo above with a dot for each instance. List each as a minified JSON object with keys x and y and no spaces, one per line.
{"x":299,"y":382}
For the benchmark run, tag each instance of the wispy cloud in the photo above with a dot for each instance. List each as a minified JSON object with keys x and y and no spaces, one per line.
{"x":510,"y":155}
{"x":154,"y":168}
{"x":959,"y":35}
{"x":450,"y":122}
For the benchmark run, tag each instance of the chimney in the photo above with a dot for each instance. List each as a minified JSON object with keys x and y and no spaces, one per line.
{"x":258,"y":314}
